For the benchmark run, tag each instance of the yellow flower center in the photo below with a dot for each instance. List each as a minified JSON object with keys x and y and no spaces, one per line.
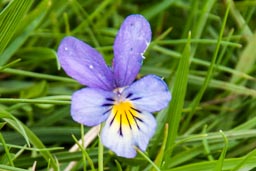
{"x":125,"y":115}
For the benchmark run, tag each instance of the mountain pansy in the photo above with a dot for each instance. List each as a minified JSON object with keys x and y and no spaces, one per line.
{"x":112,"y":95}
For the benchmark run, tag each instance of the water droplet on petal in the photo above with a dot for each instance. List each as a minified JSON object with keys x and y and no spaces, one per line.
{"x":66,"y":48}
{"x":91,"y":66}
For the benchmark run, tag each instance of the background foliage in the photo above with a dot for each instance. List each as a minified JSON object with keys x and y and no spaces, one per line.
{"x":205,"y":50}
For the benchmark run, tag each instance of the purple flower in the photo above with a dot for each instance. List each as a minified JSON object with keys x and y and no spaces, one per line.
{"x":111,"y":94}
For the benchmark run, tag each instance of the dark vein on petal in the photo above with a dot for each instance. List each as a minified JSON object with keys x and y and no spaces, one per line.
{"x":107,"y":104}
{"x":113,"y":119}
{"x":139,"y":119}
{"x":135,"y":118}
{"x":136,"y":110}
{"x":137,"y":124}
{"x":120,"y":129}
{"x":110,"y":99}
{"x":129,"y":95}
{"x":106,"y":111}
{"x":128,"y":120}
{"x":136,"y":98}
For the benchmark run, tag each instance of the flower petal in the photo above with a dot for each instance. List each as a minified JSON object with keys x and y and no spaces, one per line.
{"x":150,"y":93}
{"x":123,"y":132}
{"x":146,"y":130}
{"x":83,"y":63}
{"x":91,"y":106}
{"x":131,"y":42}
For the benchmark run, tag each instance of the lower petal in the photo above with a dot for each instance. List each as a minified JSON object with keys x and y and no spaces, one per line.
{"x":122,"y":138}
{"x":91,"y":106}
{"x":146,"y":131}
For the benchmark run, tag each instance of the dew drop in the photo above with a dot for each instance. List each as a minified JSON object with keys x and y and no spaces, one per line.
{"x":66,"y":48}
{"x":91,"y":66}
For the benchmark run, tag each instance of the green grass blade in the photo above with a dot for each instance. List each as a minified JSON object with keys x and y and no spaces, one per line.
{"x":219,"y":164}
{"x":10,"y":18}
{"x":26,"y":28}
{"x":209,"y":75}
{"x":202,"y":19}
{"x":209,"y":165}
{"x":160,"y":155}
{"x":118,"y":165}
{"x":247,"y":59}
{"x":29,"y":136}
{"x":240,"y":21}
{"x":148,"y":159}
{"x":201,"y":62}
{"x":10,"y":168}
{"x":243,"y":162}
{"x":6,"y":149}
{"x":37,"y":75}
{"x":157,"y":8}
{"x":15,"y":123}
{"x":207,"y":149}
{"x":236,"y":89}
{"x":178,"y":96}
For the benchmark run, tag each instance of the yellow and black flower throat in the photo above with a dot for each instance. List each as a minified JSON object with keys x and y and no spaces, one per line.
{"x":124,"y":114}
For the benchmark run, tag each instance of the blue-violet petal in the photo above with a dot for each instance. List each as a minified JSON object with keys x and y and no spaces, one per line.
{"x":91,"y":106}
{"x":130,"y":44}
{"x":150,"y":93}
{"x":83,"y":63}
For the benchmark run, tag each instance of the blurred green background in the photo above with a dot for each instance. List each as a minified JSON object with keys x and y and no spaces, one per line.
{"x":205,"y":51}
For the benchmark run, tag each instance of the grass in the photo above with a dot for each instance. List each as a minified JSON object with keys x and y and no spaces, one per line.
{"x":205,"y":50}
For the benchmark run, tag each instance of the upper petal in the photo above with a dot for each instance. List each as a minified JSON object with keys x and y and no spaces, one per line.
{"x":83,"y":63}
{"x":150,"y":93}
{"x":91,"y":106}
{"x":131,"y":42}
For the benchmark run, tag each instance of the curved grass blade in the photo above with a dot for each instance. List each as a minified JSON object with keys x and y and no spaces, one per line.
{"x":29,"y":136}
{"x":219,"y":164}
{"x":178,"y":96}
{"x":10,"y":18}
